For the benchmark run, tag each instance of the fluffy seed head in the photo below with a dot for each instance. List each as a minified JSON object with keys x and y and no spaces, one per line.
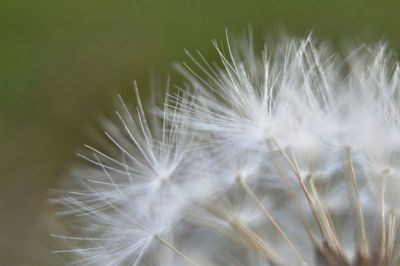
{"x":286,"y":157}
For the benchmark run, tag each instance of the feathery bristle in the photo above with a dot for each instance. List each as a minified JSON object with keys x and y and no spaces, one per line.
{"x":287,"y":158}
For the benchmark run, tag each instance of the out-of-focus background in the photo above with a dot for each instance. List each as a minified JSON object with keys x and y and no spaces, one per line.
{"x":62,"y":63}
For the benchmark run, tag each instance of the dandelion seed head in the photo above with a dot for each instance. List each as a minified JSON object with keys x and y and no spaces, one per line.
{"x":289,"y":156}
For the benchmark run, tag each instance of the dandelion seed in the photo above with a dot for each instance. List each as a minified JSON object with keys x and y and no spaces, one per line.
{"x":290,"y":157}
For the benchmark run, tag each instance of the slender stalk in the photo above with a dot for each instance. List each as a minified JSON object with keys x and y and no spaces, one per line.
{"x":327,"y":220}
{"x":391,"y":239}
{"x":293,"y":196}
{"x":383,"y":221}
{"x":303,"y":187}
{"x":364,"y":241}
{"x":249,"y":191}
{"x":174,"y":249}
{"x":251,"y":238}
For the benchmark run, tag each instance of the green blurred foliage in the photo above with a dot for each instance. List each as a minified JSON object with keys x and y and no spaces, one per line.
{"x":62,"y":63}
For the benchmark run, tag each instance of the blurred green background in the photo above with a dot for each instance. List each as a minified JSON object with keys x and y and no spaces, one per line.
{"x":62,"y":63}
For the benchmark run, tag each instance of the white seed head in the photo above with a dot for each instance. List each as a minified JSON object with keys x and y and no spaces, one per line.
{"x":289,"y":157}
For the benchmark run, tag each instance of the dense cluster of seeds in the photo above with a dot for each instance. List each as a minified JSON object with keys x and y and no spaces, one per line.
{"x":289,"y":157}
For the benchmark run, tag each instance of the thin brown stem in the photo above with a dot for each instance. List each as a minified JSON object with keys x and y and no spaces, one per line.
{"x":383,"y":221}
{"x":303,"y":187}
{"x":364,"y":241}
{"x":266,"y":213}
{"x":326,"y":218}
{"x":251,"y":238}
{"x":391,"y":237}
{"x":293,"y":197}
{"x":177,"y":251}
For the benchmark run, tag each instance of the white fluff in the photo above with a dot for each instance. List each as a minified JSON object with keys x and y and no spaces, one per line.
{"x":234,"y":170}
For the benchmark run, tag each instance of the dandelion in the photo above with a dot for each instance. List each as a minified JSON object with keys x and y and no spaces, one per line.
{"x":286,"y":157}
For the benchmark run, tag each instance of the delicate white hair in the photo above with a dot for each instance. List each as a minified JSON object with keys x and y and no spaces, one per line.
{"x":286,"y":157}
